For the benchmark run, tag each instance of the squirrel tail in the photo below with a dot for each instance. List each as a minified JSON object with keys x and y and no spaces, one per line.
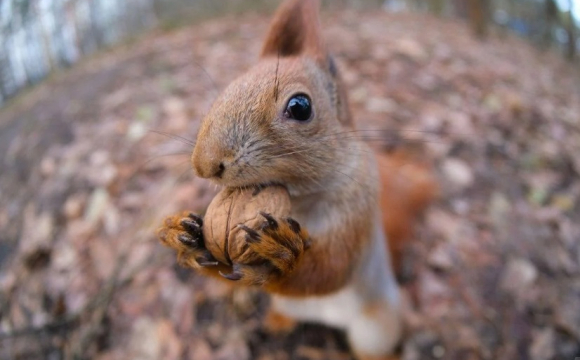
{"x":408,"y":187}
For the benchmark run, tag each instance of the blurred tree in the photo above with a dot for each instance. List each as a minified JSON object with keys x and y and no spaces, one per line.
{"x":460,"y":8}
{"x":550,"y":20}
{"x":479,"y":16}
{"x":361,"y":4}
{"x":436,"y":6}
{"x":570,"y":30}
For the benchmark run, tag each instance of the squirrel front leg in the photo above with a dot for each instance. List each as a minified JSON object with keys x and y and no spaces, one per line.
{"x":295,"y":264}
{"x":325,"y":268}
{"x":276,"y":247}
{"x":182,"y":232}
{"x":290,"y":262}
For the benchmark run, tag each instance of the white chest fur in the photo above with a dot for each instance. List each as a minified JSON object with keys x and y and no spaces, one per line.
{"x":367,"y":308}
{"x":372,"y":281}
{"x":337,"y":310}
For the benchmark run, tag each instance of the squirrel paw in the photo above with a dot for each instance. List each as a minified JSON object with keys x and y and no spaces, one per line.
{"x":183,"y":233}
{"x":275,"y":248}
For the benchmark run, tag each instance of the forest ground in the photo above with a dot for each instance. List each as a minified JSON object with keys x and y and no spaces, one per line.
{"x":92,"y":160}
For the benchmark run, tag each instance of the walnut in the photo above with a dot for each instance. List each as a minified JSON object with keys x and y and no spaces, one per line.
{"x":230,"y":207}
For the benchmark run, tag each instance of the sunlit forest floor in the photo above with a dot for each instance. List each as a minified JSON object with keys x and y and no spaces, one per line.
{"x":93,"y":159}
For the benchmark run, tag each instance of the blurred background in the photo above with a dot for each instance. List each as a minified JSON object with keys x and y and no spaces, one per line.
{"x":46,"y":35}
{"x":100,"y":102}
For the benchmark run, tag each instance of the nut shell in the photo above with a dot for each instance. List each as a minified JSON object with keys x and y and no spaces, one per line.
{"x":230,"y":207}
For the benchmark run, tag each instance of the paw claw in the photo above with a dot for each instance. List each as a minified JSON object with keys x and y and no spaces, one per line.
{"x":206,"y":259}
{"x":191,"y":226}
{"x":251,"y":234}
{"x":294,"y":225}
{"x":196,"y":218}
{"x":187,"y":240}
{"x":271,"y":223}
{"x":274,"y":249}
{"x":234,"y":276}
{"x":207,"y":263}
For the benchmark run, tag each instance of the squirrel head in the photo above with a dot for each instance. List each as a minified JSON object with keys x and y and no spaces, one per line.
{"x":278,"y":122}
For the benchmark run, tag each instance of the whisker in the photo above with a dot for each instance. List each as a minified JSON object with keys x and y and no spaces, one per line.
{"x":355,"y":151}
{"x":215,"y":87}
{"x":395,"y":131}
{"x":276,"y":83}
{"x":164,"y":155}
{"x":384,"y":139}
{"x":179,"y":178}
{"x":406,"y":141}
{"x":289,"y":153}
{"x":387,"y":136}
{"x":174,"y":137}
{"x":348,"y":176}
{"x":140,"y":167}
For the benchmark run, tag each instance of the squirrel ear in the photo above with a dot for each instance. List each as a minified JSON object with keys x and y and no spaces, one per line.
{"x":295,"y":30}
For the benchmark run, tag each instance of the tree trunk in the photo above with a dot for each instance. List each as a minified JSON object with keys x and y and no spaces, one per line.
{"x":478,"y":13}
{"x":550,"y":20}
{"x":436,"y":6}
{"x":570,"y":29}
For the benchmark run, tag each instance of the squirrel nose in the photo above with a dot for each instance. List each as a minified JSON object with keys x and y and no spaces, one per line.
{"x":211,"y":156}
{"x":208,"y":161}
{"x":209,"y":169}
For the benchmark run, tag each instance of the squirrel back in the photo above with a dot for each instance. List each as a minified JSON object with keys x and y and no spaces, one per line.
{"x":408,"y":186}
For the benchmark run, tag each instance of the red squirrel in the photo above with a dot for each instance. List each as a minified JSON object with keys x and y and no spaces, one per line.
{"x":286,"y":121}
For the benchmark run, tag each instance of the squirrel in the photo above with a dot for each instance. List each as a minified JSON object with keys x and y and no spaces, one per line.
{"x":286,"y":121}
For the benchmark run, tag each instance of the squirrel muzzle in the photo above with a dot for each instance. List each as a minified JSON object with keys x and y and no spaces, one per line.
{"x":210,"y":162}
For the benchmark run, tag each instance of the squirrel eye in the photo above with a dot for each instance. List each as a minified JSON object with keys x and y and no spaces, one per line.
{"x":299,"y":108}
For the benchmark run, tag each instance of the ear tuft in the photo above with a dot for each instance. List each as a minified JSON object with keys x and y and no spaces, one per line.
{"x":295,"y":31}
